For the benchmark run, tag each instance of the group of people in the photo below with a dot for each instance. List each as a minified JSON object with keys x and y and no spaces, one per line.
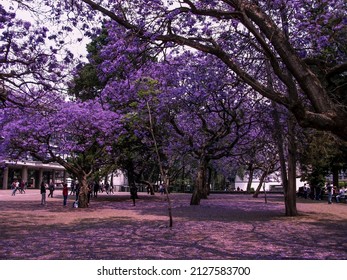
{"x":340,"y":195}
{"x":93,"y":190}
{"x":96,"y":188}
{"x":51,"y":188}
{"x":18,"y":186}
{"x":329,"y":189}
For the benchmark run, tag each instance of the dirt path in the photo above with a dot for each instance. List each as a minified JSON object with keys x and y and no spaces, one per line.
{"x":222,"y":227}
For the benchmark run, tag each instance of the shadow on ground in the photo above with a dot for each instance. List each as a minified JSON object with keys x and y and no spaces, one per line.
{"x":222,"y":227}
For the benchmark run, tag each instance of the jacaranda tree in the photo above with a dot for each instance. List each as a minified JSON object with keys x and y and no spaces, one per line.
{"x":79,"y":136}
{"x":32,"y":58}
{"x":208,"y":118}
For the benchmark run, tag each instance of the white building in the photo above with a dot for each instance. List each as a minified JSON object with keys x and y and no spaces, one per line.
{"x":273,"y":183}
{"x":118,"y":180}
{"x":33,"y":172}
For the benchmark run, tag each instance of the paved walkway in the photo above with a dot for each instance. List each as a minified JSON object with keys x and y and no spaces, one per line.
{"x":222,"y":227}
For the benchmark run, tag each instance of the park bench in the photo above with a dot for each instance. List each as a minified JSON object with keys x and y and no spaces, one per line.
{"x":341,"y":198}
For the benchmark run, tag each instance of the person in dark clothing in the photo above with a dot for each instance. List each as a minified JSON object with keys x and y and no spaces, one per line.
{"x":77,"y":190}
{"x":96,"y":188}
{"x":72,"y":192}
{"x":133,"y":194}
{"x":51,"y":189}
{"x":43,"y":193}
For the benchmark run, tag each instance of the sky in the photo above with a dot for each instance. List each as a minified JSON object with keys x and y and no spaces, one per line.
{"x":78,"y":48}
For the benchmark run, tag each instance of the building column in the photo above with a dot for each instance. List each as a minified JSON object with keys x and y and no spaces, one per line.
{"x":25,"y":174}
{"x":5,"y":178}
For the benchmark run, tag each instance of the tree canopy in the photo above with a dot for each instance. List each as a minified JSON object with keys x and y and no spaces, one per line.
{"x":244,"y":35}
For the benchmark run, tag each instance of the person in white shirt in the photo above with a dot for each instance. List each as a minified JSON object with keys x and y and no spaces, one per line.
{"x":342,"y":194}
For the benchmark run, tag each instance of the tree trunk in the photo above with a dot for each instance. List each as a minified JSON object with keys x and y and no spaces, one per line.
{"x":223,"y":183}
{"x":149,"y":186}
{"x":151,"y":189}
{"x":250,"y":178}
{"x":169,"y":208}
{"x":131,"y":176}
{"x":290,"y":192}
{"x":200,"y":188}
{"x":209,"y":180}
{"x":83,"y":192}
{"x":197,"y":193}
{"x":335,"y":176}
{"x":111,"y":180}
{"x":261,"y":181}
{"x":288,"y":181}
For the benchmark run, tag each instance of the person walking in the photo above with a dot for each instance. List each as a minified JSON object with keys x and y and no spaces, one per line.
{"x":65,"y":193}
{"x":21,"y":187}
{"x":15,"y":187}
{"x":51,"y":189}
{"x":330,"y":191}
{"x":43,"y":193}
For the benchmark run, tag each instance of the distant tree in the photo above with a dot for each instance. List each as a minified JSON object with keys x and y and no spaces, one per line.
{"x":76,"y":135}
{"x":320,"y":155}
{"x":86,"y":83}
{"x":210,"y":119}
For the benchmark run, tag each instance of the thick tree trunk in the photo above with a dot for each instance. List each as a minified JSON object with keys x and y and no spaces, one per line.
{"x":288,"y":182}
{"x":197,"y":193}
{"x":131,"y":178}
{"x":81,"y":176}
{"x":83,"y":193}
{"x":111,"y":180}
{"x":200,"y":185}
{"x":290,"y":192}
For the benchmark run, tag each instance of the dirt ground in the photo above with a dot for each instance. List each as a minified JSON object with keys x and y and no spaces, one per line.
{"x":223,"y":227}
